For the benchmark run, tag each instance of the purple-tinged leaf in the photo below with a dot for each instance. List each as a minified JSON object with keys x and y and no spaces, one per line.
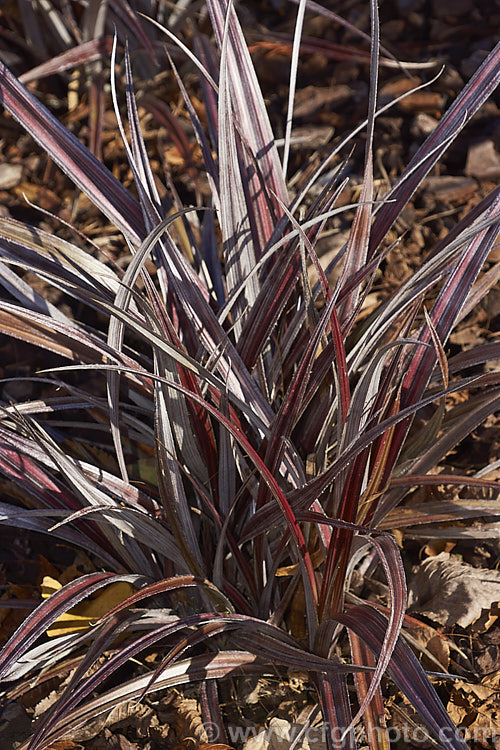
{"x":61,"y":601}
{"x":198,"y":313}
{"x":216,"y":666}
{"x":479,"y":291}
{"x":207,"y":55}
{"x":292,"y":402}
{"x":101,"y":641}
{"x":278,"y":285}
{"x":438,"y":348}
{"x":258,"y":636}
{"x":479,"y":355}
{"x":302,"y":498}
{"x":318,"y":8}
{"x":443,"y":316}
{"x":270,"y":40}
{"x":269,"y":644}
{"x":94,"y":19}
{"x":239,"y":247}
{"x":129,"y":17}
{"x":376,"y":733}
{"x":257,"y":461}
{"x":176,"y":504}
{"x":132,"y":553}
{"x":444,"y":511}
{"x":406,"y":299}
{"x":125,"y":492}
{"x":171,"y":584}
{"x":359,"y":236}
{"x":136,"y":525}
{"x":363,"y":405}
{"x":336,"y":710}
{"x":16,"y":454}
{"x":95,"y":49}
{"x":390,"y":558}
{"x":475,"y":93}
{"x":41,"y":521}
{"x":25,"y":294}
{"x":392,"y":564}
{"x":263,"y":639}
{"x":454,"y":480}
{"x":338,"y":342}
{"x":72,"y":157}
{"x":406,"y":671}
{"x":489,"y":403}
{"x":467,"y":222}
{"x":252,"y":117}
{"x":31,"y":247}
{"x":211,"y":711}
{"x":449,"y":302}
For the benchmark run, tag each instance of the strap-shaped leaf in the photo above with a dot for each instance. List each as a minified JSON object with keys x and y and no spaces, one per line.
{"x":71,"y":156}
{"x":407,"y":673}
{"x":38,"y":621}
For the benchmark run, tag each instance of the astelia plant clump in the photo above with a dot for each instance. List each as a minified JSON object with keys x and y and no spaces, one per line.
{"x":278,"y":417}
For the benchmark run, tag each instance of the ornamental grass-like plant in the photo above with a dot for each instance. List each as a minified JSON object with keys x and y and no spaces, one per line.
{"x":278,"y":415}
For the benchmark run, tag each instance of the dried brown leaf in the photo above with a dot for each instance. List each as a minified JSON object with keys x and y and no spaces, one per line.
{"x":130,"y":713}
{"x":189,"y":722}
{"x":452,"y":593}
{"x":281,"y":734}
{"x":476,"y":707}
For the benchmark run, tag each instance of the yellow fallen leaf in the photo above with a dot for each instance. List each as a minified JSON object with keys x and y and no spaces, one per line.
{"x":49,"y":586}
{"x":86,"y":612}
